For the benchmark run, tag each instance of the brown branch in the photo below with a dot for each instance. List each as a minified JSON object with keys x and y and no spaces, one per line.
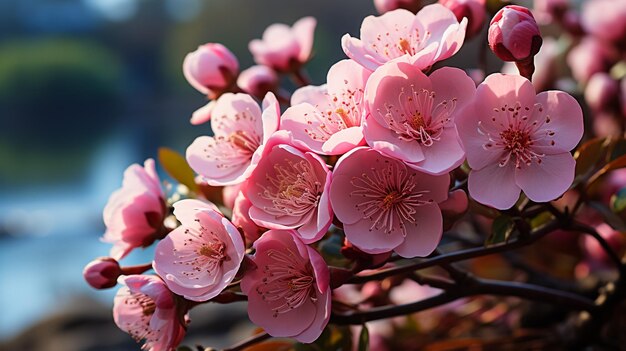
{"x":476,"y":287}
{"x":461,"y":255}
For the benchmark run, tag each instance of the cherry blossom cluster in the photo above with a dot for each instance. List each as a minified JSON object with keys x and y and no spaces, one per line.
{"x":392,"y":147}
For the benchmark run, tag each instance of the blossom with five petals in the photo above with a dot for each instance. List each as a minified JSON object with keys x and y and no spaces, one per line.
{"x":411,"y":115}
{"x":518,"y":140}
{"x":385,"y":205}
{"x":202,"y":256}
{"x":289,"y":189}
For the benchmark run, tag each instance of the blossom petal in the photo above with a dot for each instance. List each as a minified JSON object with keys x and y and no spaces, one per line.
{"x":422,"y":237}
{"x":547,"y":180}
{"x":494,"y":186}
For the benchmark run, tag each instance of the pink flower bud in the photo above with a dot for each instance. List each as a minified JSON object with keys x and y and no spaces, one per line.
{"x":589,"y":57}
{"x":473,"y":10}
{"x":601,"y":92}
{"x":102,"y":273}
{"x":211,"y":69}
{"x":605,"y":19}
{"x":383,"y":6}
{"x":258,"y":80}
{"x":514,"y":34}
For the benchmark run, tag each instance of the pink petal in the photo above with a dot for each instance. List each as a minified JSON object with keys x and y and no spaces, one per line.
{"x":223,"y":163}
{"x":387,"y":142}
{"x":300,"y":120}
{"x":236,"y":112}
{"x":304,"y":30}
{"x":203,"y":114}
{"x":346,"y":75}
{"x":467,"y":122}
{"x":500,"y":89}
{"x":343,"y":206}
{"x":270,"y":116}
{"x":314,"y":95}
{"x":343,"y":141}
{"x":284,"y":324}
{"x":494,"y":186}
{"x":372,"y":241}
{"x":424,"y":236}
{"x":452,"y":83}
{"x":322,"y":316}
{"x":354,"y":49}
{"x":547,"y":180}
{"x":442,"y":156}
{"x":566,"y":119}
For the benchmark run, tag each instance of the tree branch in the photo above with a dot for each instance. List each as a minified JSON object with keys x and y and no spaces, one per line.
{"x":458,"y":255}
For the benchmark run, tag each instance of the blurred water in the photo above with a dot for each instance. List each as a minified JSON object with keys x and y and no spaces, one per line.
{"x":53,"y":233}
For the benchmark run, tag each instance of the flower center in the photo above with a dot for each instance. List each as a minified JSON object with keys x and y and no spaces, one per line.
{"x":288,"y":283}
{"x":203,"y":252}
{"x":342,"y":112}
{"x":244,"y":141}
{"x":139,"y":327}
{"x":389,"y":197}
{"x":518,"y":135}
{"x":416,"y":117}
{"x":293,"y":189}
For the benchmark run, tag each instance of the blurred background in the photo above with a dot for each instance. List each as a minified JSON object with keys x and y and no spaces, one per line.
{"x":88,"y":87}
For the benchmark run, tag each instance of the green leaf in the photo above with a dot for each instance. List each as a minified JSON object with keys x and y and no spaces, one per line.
{"x":618,"y":201}
{"x":501,"y":230}
{"x":176,"y":166}
{"x":364,"y":339}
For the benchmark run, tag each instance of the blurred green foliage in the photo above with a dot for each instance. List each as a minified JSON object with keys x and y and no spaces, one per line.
{"x":56,"y":95}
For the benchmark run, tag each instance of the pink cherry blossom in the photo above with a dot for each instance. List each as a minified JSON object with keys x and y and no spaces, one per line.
{"x":431,"y":35}
{"x":134,"y":214}
{"x":328,"y":118}
{"x":288,"y":291}
{"x":147,"y":310}
{"x":385,"y":205}
{"x":289,"y":189}
{"x":285,"y":48}
{"x":241,"y":219}
{"x":201,"y":257}
{"x":601,"y":92}
{"x":517,"y":140}
{"x":240,"y":129}
{"x":411,"y":115}
{"x":229,"y":194}
{"x":211,"y":69}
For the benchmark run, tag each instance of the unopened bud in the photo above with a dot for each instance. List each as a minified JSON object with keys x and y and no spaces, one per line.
{"x":514,"y":36}
{"x":212,"y":69}
{"x":601,"y":92}
{"x":383,"y":6}
{"x":102,"y":273}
